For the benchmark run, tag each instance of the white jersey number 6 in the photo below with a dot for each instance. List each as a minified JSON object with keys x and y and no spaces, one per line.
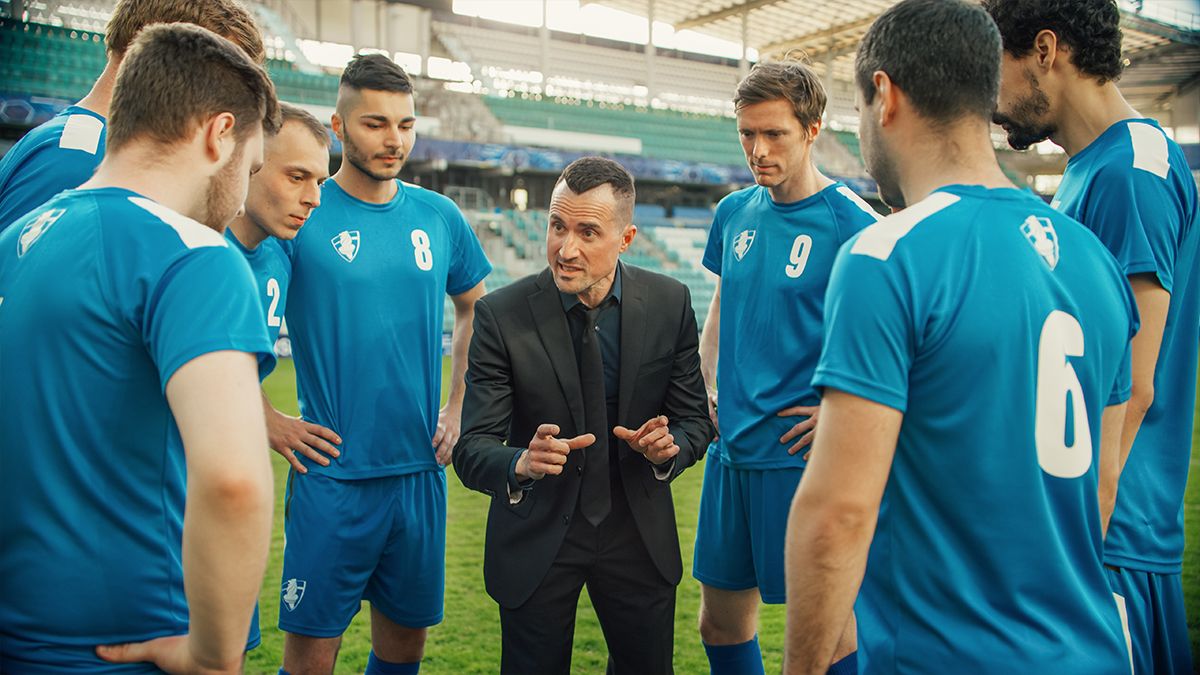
{"x":1057,"y":383}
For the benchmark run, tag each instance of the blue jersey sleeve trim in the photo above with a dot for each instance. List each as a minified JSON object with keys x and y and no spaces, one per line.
{"x":825,"y":378}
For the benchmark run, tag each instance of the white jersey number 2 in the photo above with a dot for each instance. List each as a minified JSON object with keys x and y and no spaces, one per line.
{"x":1057,"y":383}
{"x":273,"y":318}
{"x":421,"y":250}
{"x":801,"y":247}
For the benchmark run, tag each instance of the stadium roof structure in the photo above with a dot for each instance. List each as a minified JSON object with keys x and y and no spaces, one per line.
{"x":1163,"y":53}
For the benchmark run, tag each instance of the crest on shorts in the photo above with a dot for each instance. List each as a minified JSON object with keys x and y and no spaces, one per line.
{"x":36,"y":228}
{"x":1041,"y":235}
{"x":346,"y":244}
{"x":293,"y":592}
{"x":742,"y":243}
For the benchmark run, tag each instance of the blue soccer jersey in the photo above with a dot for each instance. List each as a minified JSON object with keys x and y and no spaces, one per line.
{"x":272,"y":273}
{"x":1133,"y":188}
{"x":774,"y":262}
{"x":61,"y":154}
{"x":104,"y":294}
{"x":1001,"y":329}
{"x":369,"y":283}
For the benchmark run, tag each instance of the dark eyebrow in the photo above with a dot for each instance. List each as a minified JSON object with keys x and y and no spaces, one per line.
{"x":297,"y":169}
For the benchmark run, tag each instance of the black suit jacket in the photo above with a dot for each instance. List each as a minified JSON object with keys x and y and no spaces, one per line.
{"x":522,"y":373}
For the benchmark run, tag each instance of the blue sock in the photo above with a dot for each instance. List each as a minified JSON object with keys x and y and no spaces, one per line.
{"x":739,"y":659}
{"x":283,"y":672}
{"x":847,"y":666}
{"x":377,"y":666}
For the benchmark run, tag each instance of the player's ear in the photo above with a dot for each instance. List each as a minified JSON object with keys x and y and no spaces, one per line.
{"x":218,"y":135}
{"x":888,"y":95}
{"x":336,"y":123}
{"x":1045,"y":49}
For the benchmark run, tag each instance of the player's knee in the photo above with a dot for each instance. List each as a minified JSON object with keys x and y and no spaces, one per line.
{"x":719,"y":627}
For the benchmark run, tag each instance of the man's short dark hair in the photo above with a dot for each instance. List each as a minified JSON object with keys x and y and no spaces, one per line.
{"x":587,"y":173}
{"x":294,"y":113}
{"x":943,"y":54}
{"x":377,"y":72}
{"x":175,"y":75}
{"x":1091,"y":29}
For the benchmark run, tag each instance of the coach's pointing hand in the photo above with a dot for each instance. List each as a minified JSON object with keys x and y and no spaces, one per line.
{"x":291,"y":435}
{"x":653,"y":440}
{"x":546,"y":454}
{"x":806,"y":429}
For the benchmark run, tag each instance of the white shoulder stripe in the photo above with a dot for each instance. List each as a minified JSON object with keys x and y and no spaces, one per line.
{"x":879,"y":239}
{"x":192,"y":233}
{"x":849,"y":194}
{"x":1149,"y":149}
{"x":81,"y":132}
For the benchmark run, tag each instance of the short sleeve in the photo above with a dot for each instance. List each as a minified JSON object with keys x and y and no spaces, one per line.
{"x":715,"y":248}
{"x":1134,"y":215}
{"x":469,"y":264}
{"x":205,"y":302}
{"x":43,"y":174}
{"x":870,"y":335}
{"x":1122,"y":387}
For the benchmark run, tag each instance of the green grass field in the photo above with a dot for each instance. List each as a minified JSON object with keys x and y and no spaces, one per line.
{"x":468,"y":640}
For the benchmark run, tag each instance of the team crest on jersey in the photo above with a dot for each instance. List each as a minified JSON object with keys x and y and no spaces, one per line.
{"x":742,"y":243}
{"x":346,"y":244}
{"x":34,"y":230}
{"x":293,"y":592}
{"x":1041,"y":235}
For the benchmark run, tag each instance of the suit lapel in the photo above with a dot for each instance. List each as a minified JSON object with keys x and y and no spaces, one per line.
{"x":551,"y":323}
{"x":633,"y":332}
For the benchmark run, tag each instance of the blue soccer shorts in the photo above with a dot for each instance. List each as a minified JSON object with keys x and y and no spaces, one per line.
{"x":1157,"y":620}
{"x":382,"y":540}
{"x":742,"y":527}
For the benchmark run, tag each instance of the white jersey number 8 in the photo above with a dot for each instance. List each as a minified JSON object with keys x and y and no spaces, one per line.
{"x":1062,"y":336}
{"x":421,"y":251}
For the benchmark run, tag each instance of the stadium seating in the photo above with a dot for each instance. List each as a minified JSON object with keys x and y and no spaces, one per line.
{"x":664,"y":134}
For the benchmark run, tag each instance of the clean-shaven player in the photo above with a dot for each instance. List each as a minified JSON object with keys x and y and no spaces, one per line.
{"x":135,"y":498}
{"x":282,"y":196}
{"x":370,"y":273}
{"x":975,"y":369}
{"x":773,"y":246}
{"x":1131,"y":185}
{"x":65,"y":151}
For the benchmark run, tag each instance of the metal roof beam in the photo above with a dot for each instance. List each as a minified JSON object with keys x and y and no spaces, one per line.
{"x":818,"y":37}
{"x":736,"y":10}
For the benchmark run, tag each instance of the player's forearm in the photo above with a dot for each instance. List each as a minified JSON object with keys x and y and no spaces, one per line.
{"x":226,"y":537}
{"x":460,"y":343}
{"x":826,"y":555}
{"x":710,"y":342}
{"x":1111,"y":436}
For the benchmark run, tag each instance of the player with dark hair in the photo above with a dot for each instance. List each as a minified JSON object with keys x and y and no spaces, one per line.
{"x":370,"y":272}
{"x":975,"y":368}
{"x":64,"y":152}
{"x":135,"y":500}
{"x":772,"y":245}
{"x":1128,"y":182}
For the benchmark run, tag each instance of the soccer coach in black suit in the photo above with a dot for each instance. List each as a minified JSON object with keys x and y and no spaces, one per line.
{"x":584,"y":400}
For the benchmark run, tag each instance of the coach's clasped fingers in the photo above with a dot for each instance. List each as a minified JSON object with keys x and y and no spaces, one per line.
{"x":805,"y":429}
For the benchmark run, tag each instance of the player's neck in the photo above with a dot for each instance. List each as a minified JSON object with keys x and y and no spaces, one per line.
{"x":246,"y":232}
{"x":99,"y":99}
{"x":961,"y":154}
{"x":363,"y":187}
{"x":1087,"y":111}
{"x":147,"y":172}
{"x":805,"y":184}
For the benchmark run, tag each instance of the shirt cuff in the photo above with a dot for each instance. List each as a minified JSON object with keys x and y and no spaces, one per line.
{"x":516,"y":486}
{"x":662,"y":472}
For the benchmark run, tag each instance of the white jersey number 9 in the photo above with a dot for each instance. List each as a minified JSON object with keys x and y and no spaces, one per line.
{"x":799,"y":257}
{"x":1057,"y":383}
{"x":421,"y":251}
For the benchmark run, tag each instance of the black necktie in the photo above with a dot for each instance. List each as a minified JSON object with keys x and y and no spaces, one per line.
{"x":594,"y":491}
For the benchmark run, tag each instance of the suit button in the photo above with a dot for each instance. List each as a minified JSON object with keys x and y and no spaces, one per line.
{"x":579,"y":470}
{"x":566,"y":520}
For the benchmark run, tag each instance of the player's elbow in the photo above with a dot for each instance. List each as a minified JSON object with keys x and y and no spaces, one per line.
{"x":1140,"y":399}
{"x":832,"y":525}
{"x":234,"y":491}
